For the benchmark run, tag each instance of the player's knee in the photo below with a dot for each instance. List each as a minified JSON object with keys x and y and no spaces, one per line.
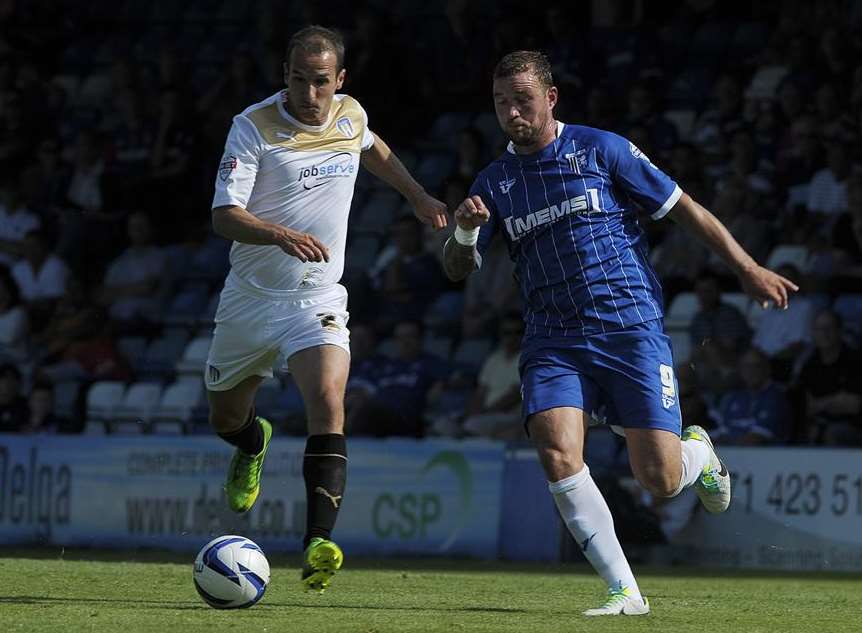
{"x":325,"y":408}
{"x":227,"y":420}
{"x":658,"y":481}
{"x":559,"y":463}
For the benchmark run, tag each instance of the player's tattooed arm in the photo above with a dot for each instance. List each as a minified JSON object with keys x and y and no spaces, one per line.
{"x":459,"y":260}
{"x":460,"y":256}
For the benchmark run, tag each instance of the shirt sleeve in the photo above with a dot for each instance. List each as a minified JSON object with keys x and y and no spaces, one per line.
{"x":482,"y":188}
{"x":632,"y":171}
{"x":367,"y":136}
{"x":239,"y":164}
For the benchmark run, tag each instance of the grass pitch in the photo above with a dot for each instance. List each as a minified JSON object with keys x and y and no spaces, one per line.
{"x":85,"y":591}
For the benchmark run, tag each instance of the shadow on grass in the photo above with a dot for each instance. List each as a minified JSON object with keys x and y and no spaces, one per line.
{"x":262,"y":607}
{"x":8,"y":556}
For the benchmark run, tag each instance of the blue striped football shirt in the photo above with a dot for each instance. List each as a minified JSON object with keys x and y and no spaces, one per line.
{"x":568,"y":214}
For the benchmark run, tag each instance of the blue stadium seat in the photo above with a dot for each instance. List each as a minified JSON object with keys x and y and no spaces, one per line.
{"x":471,"y":353}
{"x":160,"y":358}
{"x":173,"y":414}
{"x":194,"y":356}
{"x":132,"y":414}
{"x":102,"y":399}
{"x":187,"y":304}
{"x":849,"y":307}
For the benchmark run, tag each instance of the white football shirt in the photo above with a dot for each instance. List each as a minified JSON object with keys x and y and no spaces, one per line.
{"x":296,"y":175}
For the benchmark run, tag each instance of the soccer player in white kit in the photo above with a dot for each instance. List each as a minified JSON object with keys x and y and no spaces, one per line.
{"x":283,"y":194}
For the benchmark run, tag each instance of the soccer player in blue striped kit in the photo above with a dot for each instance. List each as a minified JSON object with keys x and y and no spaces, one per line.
{"x":565,"y":199}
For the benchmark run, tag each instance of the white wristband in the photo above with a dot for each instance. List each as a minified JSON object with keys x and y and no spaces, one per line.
{"x":465,"y":237}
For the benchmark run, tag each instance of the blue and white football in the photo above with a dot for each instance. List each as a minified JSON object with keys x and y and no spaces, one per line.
{"x":231,"y":572}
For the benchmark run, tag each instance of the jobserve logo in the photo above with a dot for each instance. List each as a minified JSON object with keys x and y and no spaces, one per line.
{"x":435,"y":503}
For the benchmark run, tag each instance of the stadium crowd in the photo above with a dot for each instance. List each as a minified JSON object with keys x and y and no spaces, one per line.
{"x":112,"y":121}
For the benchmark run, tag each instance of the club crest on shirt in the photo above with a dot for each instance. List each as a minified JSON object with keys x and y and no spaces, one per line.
{"x":506,"y":185}
{"x":578,"y":160}
{"x":345,"y":127}
{"x":227,"y":165}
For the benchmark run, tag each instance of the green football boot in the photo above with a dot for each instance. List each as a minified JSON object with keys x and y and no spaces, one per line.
{"x":322,"y":559}
{"x":243,"y":478}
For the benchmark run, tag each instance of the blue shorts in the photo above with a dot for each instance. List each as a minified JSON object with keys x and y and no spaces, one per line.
{"x":629,"y":372}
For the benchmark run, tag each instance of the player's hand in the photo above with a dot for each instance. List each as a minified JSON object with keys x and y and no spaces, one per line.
{"x":765,"y":287}
{"x":472,"y":213}
{"x":303,"y":246}
{"x":430,"y":210}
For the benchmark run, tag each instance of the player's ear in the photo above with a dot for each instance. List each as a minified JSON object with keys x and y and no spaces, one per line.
{"x":285,"y":67}
{"x":339,"y":78}
{"x":553,"y":96}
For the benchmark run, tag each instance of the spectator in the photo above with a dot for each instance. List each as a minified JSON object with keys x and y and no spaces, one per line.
{"x":830,"y":386}
{"x":15,"y":222}
{"x":759,"y":412}
{"x":471,"y":156}
{"x":13,"y":320}
{"x":402,"y":388}
{"x":495,"y":408}
{"x":13,"y":406}
{"x":643,"y":111}
{"x":365,"y":367}
{"x":827,"y":192}
{"x":783,"y":335}
{"x":40,"y":275}
{"x":41,"y":418}
{"x":411,"y":279}
{"x":693,"y":404}
{"x":490,"y":292}
{"x":132,"y":279}
{"x":41,"y":278}
{"x":716,"y":320}
{"x":45,"y":182}
{"x":719,"y":333}
{"x":717,"y":124}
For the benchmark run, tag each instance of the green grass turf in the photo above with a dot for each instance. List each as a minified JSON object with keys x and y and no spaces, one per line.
{"x":83,"y":591}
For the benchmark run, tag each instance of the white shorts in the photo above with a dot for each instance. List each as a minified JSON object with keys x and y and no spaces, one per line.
{"x":254,"y":331}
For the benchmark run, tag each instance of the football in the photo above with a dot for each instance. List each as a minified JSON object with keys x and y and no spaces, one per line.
{"x":231,"y":572}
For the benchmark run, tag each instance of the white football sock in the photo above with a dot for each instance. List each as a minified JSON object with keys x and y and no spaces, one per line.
{"x":586,"y":514}
{"x":695,"y":457}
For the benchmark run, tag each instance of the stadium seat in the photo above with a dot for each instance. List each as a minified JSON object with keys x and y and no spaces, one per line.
{"x":66,"y":399}
{"x":788,"y":254}
{"x":681,"y":342}
{"x":133,"y":349}
{"x":160,"y":358}
{"x":434,"y":168}
{"x":387,"y":347}
{"x":444,"y":314}
{"x":739,"y":300}
{"x":472,"y":352}
{"x":362,"y":252}
{"x":102,"y":399}
{"x":849,"y":307}
{"x":437,"y":345}
{"x":132,"y":414}
{"x":377,"y":214}
{"x":445,"y":129}
{"x":487,"y":124}
{"x":682,"y":310}
{"x":174,"y":411}
{"x":683,"y":120}
{"x":187,"y":304}
{"x":194,"y":356}
{"x":207,"y":317}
